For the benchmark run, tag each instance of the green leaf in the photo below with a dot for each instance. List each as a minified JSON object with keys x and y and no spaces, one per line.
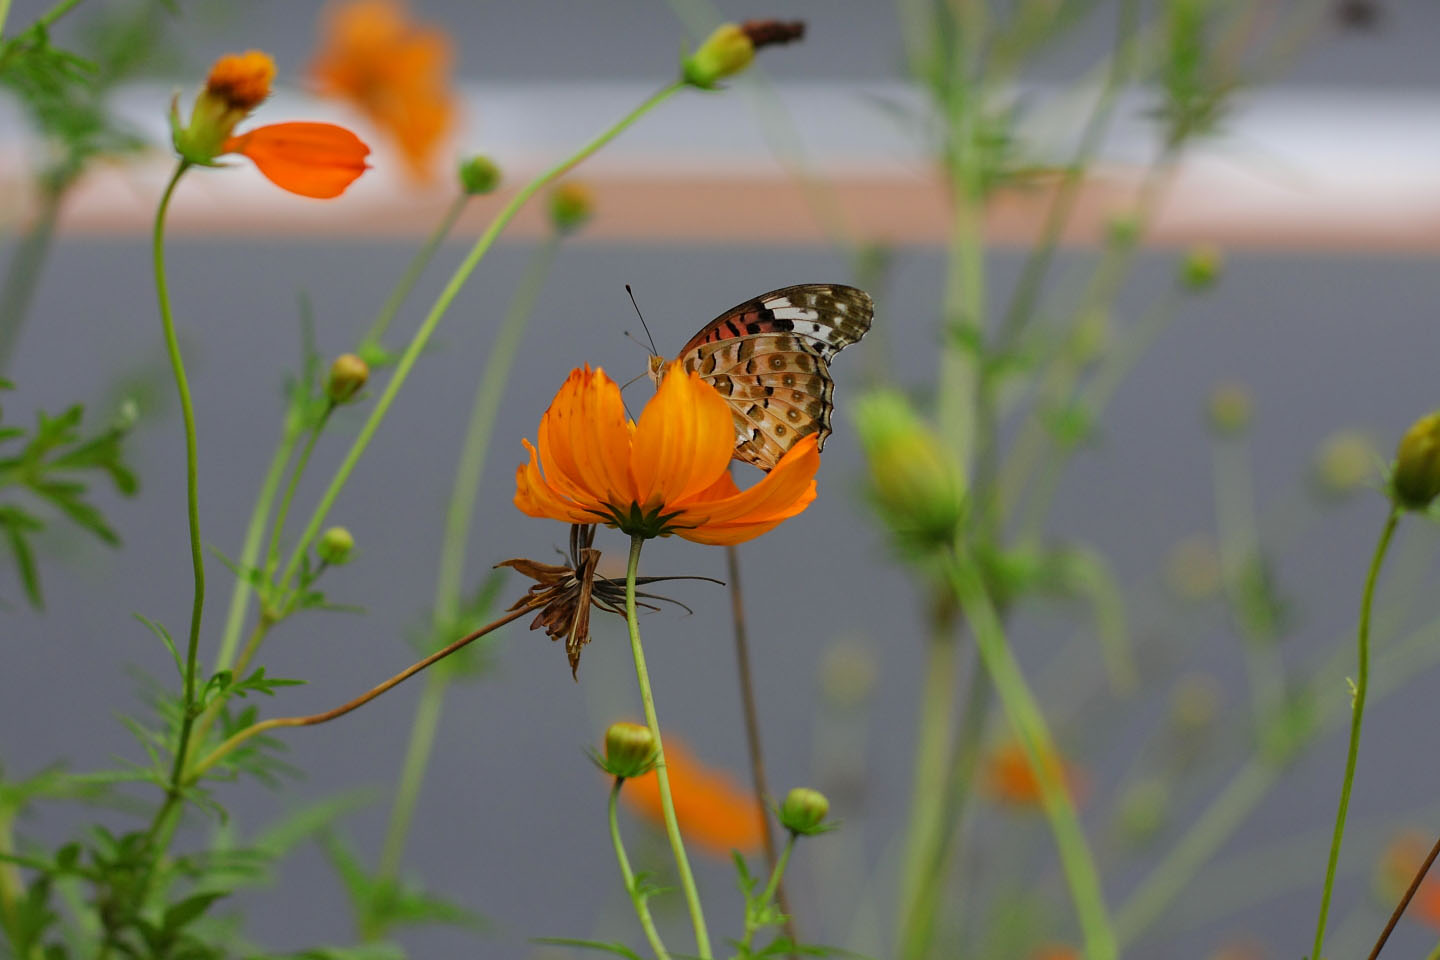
{"x":165,"y":638}
{"x":17,"y":524}
{"x":189,"y":910}
{"x":618,"y":949}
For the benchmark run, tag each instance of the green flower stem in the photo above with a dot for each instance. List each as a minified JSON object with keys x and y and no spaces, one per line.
{"x":662,"y":775}
{"x":642,"y":908}
{"x":772,"y":888}
{"x":4,"y":15}
{"x":12,"y":887}
{"x":1031,"y":729}
{"x":442,"y":304}
{"x":489,"y":390}
{"x":932,"y":751}
{"x":192,"y":490}
{"x":1357,"y":716}
{"x":272,"y":555}
{"x":22,"y":275}
{"x":401,"y":291}
{"x":250,"y":548}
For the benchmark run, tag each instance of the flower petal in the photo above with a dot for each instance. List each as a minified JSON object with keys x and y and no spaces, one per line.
{"x":585,"y":442}
{"x":722,"y":509}
{"x":310,"y":159}
{"x":536,"y":498}
{"x":683,"y":441}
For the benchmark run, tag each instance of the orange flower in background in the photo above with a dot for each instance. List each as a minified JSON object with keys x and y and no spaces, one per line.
{"x":667,"y":474}
{"x":1009,"y":779}
{"x":1056,"y":951}
{"x":395,"y":71}
{"x":1397,"y":868}
{"x":310,"y":159}
{"x":713,"y":810}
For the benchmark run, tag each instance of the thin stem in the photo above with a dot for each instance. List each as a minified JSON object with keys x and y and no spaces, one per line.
{"x":12,"y":888}
{"x":192,"y":494}
{"x":642,"y":907}
{"x":412,"y":775}
{"x":1031,"y":729}
{"x":662,"y":774}
{"x":1357,"y":716}
{"x":401,"y":291}
{"x":442,"y":304}
{"x":777,"y":874}
{"x":220,"y":752}
{"x":752,"y":724}
{"x":272,"y":556}
{"x":1405,"y":900}
{"x":927,"y":791}
{"x":22,"y":275}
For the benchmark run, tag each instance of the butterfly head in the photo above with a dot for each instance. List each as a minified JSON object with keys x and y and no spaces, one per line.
{"x":655,"y":369}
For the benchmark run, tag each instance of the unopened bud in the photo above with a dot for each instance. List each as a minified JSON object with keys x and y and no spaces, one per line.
{"x":726,"y":52}
{"x":1415,"y":481}
{"x":335,"y":546}
{"x":847,"y":675}
{"x":237,"y":84}
{"x":347,"y":375}
{"x":1345,"y":463}
{"x":1201,"y":267}
{"x":479,"y":174}
{"x":804,"y":811}
{"x":571,"y":204}
{"x":1230,"y":408}
{"x":916,"y":484}
{"x":1143,"y":809}
{"x":629,"y":750}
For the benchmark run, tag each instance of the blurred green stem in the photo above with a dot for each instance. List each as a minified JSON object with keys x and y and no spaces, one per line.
{"x":767,"y":896}
{"x":442,"y":305}
{"x":1028,"y":723}
{"x":12,"y":887}
{"x":277,"y":533}
{"x":1357,"y":716}
{"x":637,"y":896}
{"x":412,"y":776}
{"x":22,"y":274}
{"x":416,"y":268}
{"x":928,"y":777}
{"x":662,"y":775}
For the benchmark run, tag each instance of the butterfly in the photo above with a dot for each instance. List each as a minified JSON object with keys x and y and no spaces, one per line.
{"x":770,"y":359}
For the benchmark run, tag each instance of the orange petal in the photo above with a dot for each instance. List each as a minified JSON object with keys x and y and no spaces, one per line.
{"x":535,"y":497}
{"x":683,"y":441}
{"x":311,"y":159}
{"x":584,"y":440}
{"x":721,"y":516}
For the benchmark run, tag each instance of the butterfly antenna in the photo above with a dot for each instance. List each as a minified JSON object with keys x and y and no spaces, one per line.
{"x":638,"y":341}
{"x":642,"y":319}
{"x":632,"y":380}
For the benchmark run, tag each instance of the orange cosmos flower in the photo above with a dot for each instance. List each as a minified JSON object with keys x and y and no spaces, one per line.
{"x":1397,"y":868}
{"x":310,"y":159}
{"x":1010,"y":780}
{"x":667,"y":474}
{"x":713,"y":810}
{"x":395,"y":71}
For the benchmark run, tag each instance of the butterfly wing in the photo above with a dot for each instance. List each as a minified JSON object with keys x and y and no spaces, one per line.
{"x":770,"y":358}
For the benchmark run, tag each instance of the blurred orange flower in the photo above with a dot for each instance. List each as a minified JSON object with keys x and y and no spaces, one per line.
{"x":1009,"y":779}
{"x":667,"y":474}
{"x":714,"y":811}
{"x":397,"y":72}
{"x":1056,"y":951}
{"x":1397,"y":868}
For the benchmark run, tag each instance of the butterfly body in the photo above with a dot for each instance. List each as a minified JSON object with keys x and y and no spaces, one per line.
{"x":770,"y":358}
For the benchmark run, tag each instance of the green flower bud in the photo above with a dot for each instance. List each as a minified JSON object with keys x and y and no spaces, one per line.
{"x":1201,"y":267}
{"x":479,"y":174}
{"x":571,"y":205}
{"x":847,"y":675}
{"x":1230,"y":409}
{"x":347,"y":375}
{"x":804,"y":811}
{"x":335,"y":546}
{"x":1345,"y":463}
{"x":629,"y":750}
{"x":732,"y":46}
{"x":1143,"y":810}
{"x":1415,"y":481}
{"x":915,"y":483}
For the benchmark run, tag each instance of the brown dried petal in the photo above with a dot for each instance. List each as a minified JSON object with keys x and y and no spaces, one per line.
{"x":768,"y":33}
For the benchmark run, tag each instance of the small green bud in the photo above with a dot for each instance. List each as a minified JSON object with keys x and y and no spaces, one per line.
{"x":1415,"y":481}
{"x":479,"y":174}
{"x":1345,"y":463}
{"x":347,"y":375}
{"x":571,"y":205}
{"x":847,"y":675}
{"x":1143,"y":810}
{"x":726,"y":52}
{"x":1122,"y":232}
{"x":804,"y":811}
{"x":629,"y":750}
{"x":335,"y":546}
{"x":1091,"y":336}
{"x":1201,"y":267}
{"x":1230,"y":409}
{"x":916,"y":484}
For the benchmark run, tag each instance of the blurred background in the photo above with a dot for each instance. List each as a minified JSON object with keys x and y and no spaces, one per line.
{"x":1320,"y":190}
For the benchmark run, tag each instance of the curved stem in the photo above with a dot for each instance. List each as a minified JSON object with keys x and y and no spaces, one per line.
{"x":413,"y":271}
{"x":1033,"y":733}
{"x":662,"y":775}
{"x":442,"y":304}
{"x":192,"y":494}
{"x":642,"y":909}
{"x":1357,"y":716}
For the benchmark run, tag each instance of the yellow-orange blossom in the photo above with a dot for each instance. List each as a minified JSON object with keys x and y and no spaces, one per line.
{"x":669,"y":473}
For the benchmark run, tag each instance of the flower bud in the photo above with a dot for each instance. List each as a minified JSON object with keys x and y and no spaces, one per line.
{"x":1415,"y":481}
{"x":804,"y":811}
{"x":335,"y":546}
{"x":1201,"y":267}
{"x":847,"y":675}
{"x":238,"y":83}
{"x":629,"y":750}
{"x":1230,"y":409}
{"x":1143,"y":810}
{"x":347,"y":375}
{"x":571,"y":204}
{"x":1345,"y":463}
{"x":479,"y":174}
{"x":916,"y":484}
{"x":731,"y":47}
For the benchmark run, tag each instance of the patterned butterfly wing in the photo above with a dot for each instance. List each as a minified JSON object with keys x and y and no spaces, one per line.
{"x":770,"y":358}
